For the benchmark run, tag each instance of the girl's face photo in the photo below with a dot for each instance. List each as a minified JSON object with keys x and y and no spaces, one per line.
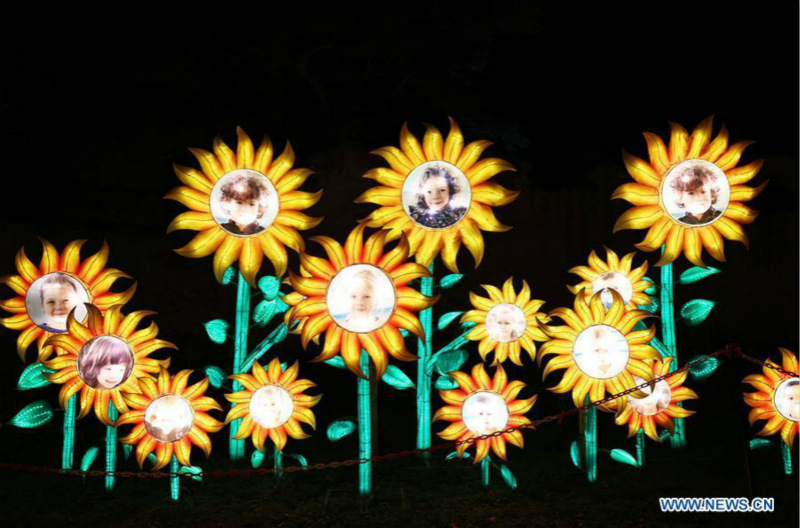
{"x":505,"y":323}
{"x":601,"y":352}
{"x":361,"y":298}
{"x":111,"y":375}
{"x":787,"y":399}
{"x":485,"y":412}
{"x":697,"y":200}
{"x":168,"y":418}
{"x":436,"y":193}
{"x":692,"y":189}
{"x":58,"y":301}
{"x":52,"y":297}
{"x":244,"y":202}
{"x":105,"y":362}
{"x":656,"y":400}
{"x":612,"y":281}
{"x":271,"y":406}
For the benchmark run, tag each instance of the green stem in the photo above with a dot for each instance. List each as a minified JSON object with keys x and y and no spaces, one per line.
{"x":589,"y":422}
{"x":174,"y":479}
{"x":278,"y":458}
{"x":640,"y":439}
{"x":68,"y":449}
{"x":424,"y":351}
{"x":364,"y":429}
{"x":787,"y":458}
{"x":236,"y":447}
{"x":486,"y":464}
{"x":677,"y":439}
{"x":111,"y":446}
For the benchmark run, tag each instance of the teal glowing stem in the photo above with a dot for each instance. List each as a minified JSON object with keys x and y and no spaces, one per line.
{"x":787,"y":458}
{"x":236,"y":447}
{"x":174,"y":479}
{"x":111,"y":446}
{"x":486,"y":464}
{"x":278,"y":456}
{"x":588,"y":426}
{"x":640,"y":439}
{"x":68,"y":449}
{"x":424,"y":351}
{"x":364,"y":429}
{"x":677,"y":439}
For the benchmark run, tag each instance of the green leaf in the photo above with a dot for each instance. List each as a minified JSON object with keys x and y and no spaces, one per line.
{"x":33,"y":377}
{"x":127,"y":450}
{"x":508,"y":476}
{"x":89,"y":458}
{"x":194,"y":471}
{"x":228,"y":276}
{"x":448,"y":281}
{"x":397,"y":378}
{"x":339,"y":429}
{"x":450,"y":361}
{"x":33,"y":415}
{"x":257,"y":458}
{"x":152,"y":459}
{"x":696,"y":274}
{"x":454,"y":456}
{"x":651,"y":290}
{"x":702,"y":367}
{"x":270,"y":286}
{"x":445,"y":383}
{"x":759,"y":443}
{"x":446,"y":319}
{"x":575,"y":454}
{"x":695,"y":312}
{"x":652,"y":307}
{"x":336,"y":361}
{"x":217,"y":330}
{"x":216,"y":376}
{"x":264,"y":312}
{"x":403,"y":332}
{"x":623,"y":457}
{"x":664,"y":435}
{"x":300,"y":459}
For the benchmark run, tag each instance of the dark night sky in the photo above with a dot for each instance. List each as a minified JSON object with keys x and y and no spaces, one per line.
{"x":92,"y":117}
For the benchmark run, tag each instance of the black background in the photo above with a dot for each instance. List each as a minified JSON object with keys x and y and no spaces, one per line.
{"x":93,"y":116}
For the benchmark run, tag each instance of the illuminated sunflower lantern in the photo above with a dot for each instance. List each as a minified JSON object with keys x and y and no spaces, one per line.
{"x":659,"y":407}
{"x":103,"y":358}
{"x":776,"y":399}
{"x":438,"y":193}
{"x":690,"y":195}
{"x":168,"y":417}
{"x":47,"y":293}
{"x":598,"y":349}
{"x":482,"y":406}
{"x":245,"y":204}
{"x":613,"y":274}
{"x":506,"y":322}
{"x":272,"y":405}
{"x":358,"y":298}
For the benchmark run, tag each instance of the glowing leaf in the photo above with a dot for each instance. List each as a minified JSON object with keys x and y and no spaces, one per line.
{"x":446,"y":383}
{"x":217,"y":330}
{"x":230,"y":273}
{"x":575,"y":454}
{"x":697,"y":273}
{"x":403,"y":332}
{"x":152,"y":459}
{"x":652,"y":289}
{"x":216,"y":376}
{"x":652,"y":307}
{"x":89,"y":458}
{"x":270,"y":286}
{"x":448,"y":281}
{"x":126,"y":450}
{"x":300,"y":459}
{"x":194,"y":471}
{"x":449,"y":361}
{"x":508,"y":476}
{"x":32,"y":415}
{"x":701,"y":367}
{"x":446,"y":319}
{"x":33,"y":377}
{"x":397,"y":378}
{"x":257,"y":458}
{"x":695,"y":312}
{"x":622,"y":456}
{"x":264,"y":312}
{"x":664,"y":435}
{"x":759,"y":443}
{"x":339,"y":429}
{"x":336,"y":361}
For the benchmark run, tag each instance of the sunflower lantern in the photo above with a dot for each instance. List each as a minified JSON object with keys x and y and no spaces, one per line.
{"x":358,"y":300}
{"x":485,"y":412}
{"x":437,"y":192}
{"x":245,"y":204}
{"x":776,"y":401}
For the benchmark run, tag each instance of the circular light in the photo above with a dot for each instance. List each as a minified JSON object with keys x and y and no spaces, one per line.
{"x":505,"y":322}
{"x":271,"y":406}
{"x":50,"y":299}
{"x":244,"y":202}
{"x":656,"y":400}
{"x":168,"y":418}
{"x":436,"y":195}
{"x":485,"y":412}
{"x":787,"y":399}
{"x":105,"y":362}
{"x":361,"y":298}
{"x":695,"y":192}
{"x":612,"y":280}
{"x":601,"y":352}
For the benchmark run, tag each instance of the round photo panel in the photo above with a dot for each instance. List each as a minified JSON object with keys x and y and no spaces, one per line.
{"x":787,"y":399}
{"x":361,"y":298}
{"x":612,"y":280}
{"x":244,"y":202}
{"x":505,"y":322}
{"x":601,"y":352}
{"x":105,"y":362}
{"x":485,"y":412}
{"x":169,"y":418}
{"x":657,"y":400}
{"x":52,"y":297}
{"x":436,"y":195}
{"x":271,"y":406}
{"x":695,"y":192}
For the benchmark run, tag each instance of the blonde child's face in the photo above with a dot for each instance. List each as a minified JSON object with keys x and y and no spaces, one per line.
{"x":697,"y":201}
{"x":242,"y":211}
{"x":111,"y":375}
{"x":792,"y":398}
{"x":361,"y":298}
{"x":436,"y":193}
{"x":58,"y":301}
{"x":504,"y":323}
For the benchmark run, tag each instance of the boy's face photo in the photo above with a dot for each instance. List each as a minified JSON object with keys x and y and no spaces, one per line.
{"x":244,"y":202}
{"x":697,"y":199}
{"x":695,"y":192}
{"x":787,"y":399}
{"x":601,"y":352}
{"x":485,"y":412}
{"x":52,"y":297}
{"x":361,"y":297}
{"x":242,"y":210}
{"x":58,"y":301}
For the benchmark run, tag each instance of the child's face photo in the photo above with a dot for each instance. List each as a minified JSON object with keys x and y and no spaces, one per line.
{"x":105,"y":362}
{"x":271,"y":406}
{"x":612,"y":281}
{"x":244,"y":202}
{"x":601,"y":352}
{"x":436,"y":193}
{"x":658,"y":398}
{"x":361,"y":298}
{"x":243,"y":211}
{"x":695,"y":192}
{"x":52,"y":297}
{"x":111,"y":375}
{"x":485,"y":412}
{"x":168,"y":418}
{"x":696,"y":201}
{"x":787,"y":399}
{"x":505,"y":323}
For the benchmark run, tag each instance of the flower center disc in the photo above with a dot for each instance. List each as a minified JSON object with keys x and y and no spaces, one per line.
{"x":271,"y":406}
{"x":695,"y":192}
{"x":168,"y":418}
{"x":601,"y":352}
{"x":436,"y":195}
{"x":361,"y":298}
{"x":485,"y":412}
{"x":244,"y":202}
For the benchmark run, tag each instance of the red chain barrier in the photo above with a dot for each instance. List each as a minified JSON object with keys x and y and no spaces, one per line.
{"x":730,"y":351}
